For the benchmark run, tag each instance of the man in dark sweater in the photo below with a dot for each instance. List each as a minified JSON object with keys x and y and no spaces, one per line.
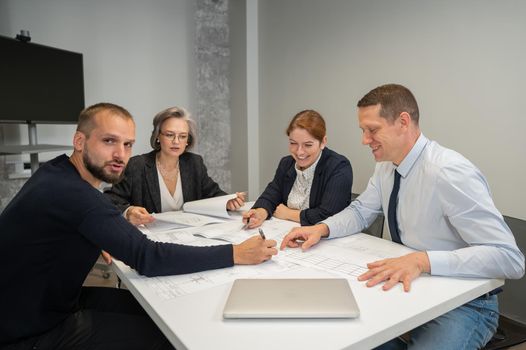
{"x":53,"y":231}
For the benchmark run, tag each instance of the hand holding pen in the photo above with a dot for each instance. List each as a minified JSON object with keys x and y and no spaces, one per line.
{"x":254,"y":218}
{"x":255,"y":249}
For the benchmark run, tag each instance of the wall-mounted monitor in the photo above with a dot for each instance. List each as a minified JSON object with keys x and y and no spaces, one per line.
{"x":39,"y":84}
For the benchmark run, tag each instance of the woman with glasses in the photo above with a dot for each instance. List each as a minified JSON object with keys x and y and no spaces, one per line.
{"x":310,"y":184}
{"x":168,"y":176}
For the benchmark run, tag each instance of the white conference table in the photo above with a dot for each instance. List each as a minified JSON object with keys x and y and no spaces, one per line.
{"x":194,"y":321}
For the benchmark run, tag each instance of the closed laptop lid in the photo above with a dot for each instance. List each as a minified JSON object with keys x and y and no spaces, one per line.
{"x":291,"y":298}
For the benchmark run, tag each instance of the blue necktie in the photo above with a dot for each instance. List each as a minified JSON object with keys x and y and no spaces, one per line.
{"x":391,"y":212}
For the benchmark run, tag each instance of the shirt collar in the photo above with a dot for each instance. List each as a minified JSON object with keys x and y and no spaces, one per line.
{"x":407,"y":164}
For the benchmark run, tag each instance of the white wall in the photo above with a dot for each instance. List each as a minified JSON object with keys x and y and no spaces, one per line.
{"x":138,"y":54}
{"x":464,"y":61}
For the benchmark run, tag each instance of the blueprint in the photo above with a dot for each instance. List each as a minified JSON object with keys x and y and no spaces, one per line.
{"x":347,"y":256}
{"x":169,"y":287}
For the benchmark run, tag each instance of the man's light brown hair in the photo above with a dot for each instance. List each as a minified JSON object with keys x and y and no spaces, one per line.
{"x":393,"y":99}
{"x":86,"y":121}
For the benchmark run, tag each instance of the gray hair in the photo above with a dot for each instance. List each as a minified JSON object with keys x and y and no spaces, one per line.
{"x":173,"y":112}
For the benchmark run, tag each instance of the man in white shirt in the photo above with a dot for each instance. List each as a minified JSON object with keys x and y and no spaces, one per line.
{"x":436,"y":202}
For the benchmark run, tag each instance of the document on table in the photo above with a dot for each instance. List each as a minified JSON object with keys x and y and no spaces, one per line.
{"x":169,"y":287}
{"x":196,"y":214}
{"x":171,"y":220}
{"x":346,"y":256}
{"x":215,"y":206}
{"x":229,"y":231}
{"x":235,"y":233}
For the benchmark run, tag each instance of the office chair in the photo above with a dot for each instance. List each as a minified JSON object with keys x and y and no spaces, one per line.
{"x":512,"y":329}
{"x":377,"y":227}
{"x":509,"y":333}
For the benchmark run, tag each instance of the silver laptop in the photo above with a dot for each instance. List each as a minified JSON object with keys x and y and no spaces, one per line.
{"x":291,"y":298}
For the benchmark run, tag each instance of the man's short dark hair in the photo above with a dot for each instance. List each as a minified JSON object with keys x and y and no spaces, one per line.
{"x":86,"y":121}
{"x":393,"y":99}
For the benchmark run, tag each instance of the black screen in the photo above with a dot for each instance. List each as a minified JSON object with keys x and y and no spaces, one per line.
{"x":39,"y":84}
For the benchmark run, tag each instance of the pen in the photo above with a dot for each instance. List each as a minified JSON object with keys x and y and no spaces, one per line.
{"x":248,"y":222}
{"x":262,"y":234}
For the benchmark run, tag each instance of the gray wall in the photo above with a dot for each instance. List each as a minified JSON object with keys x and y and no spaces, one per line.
{"x":464,"y":61}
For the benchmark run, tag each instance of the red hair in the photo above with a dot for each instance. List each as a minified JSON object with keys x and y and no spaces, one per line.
{"x":311,"y":121}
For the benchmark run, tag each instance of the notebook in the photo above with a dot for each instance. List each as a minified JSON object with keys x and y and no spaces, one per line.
{"x":291,"y":298}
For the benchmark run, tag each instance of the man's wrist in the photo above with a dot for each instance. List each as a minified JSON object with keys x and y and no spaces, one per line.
{"x":425,"y":264}
{"x":324,"y":230}
{"x":237,"y":254}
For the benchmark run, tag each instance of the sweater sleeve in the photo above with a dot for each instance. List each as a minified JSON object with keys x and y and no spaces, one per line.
{"x":105,"y":227}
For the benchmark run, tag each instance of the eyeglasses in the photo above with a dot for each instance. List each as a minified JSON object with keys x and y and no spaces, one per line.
{"x":172,"y":136}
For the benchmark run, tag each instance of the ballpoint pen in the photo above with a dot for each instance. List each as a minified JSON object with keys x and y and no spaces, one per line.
{"x":246,"y":225}
{"x":261,"y":233}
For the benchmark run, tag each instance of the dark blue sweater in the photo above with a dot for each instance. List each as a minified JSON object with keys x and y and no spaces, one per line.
{"x":52,"y":233}
{"x":330,"y":191}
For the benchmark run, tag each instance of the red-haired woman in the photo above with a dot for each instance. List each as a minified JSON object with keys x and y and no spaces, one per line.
{"x":310,"y":184}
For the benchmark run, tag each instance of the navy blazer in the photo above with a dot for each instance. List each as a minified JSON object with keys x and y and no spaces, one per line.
{"x":140,"y":185}
{"x":330,"y":192}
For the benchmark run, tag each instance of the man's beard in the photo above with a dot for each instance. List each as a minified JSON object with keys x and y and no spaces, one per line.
{"x":98,"y":171}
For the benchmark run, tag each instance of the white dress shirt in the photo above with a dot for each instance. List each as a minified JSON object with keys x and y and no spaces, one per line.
{"x":444,"y":208}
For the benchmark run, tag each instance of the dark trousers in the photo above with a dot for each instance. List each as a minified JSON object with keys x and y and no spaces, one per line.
{"x":108,"y":319}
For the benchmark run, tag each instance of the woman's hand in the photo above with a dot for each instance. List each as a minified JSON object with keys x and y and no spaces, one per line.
{"x":254,"y":217}
{"x":285,"y":213}
{"x":138,"y":215}
{"x":236,"y":203}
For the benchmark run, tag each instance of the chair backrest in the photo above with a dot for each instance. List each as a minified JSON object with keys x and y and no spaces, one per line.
{"x":512,"y":301}
{"x":512,"y":320}
{"x":377,"y":227}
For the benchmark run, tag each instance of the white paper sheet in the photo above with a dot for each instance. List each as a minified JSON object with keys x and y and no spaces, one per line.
{"x":215,"y":206}
{"x":177,"y":219}
{"x":233,"y":232}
